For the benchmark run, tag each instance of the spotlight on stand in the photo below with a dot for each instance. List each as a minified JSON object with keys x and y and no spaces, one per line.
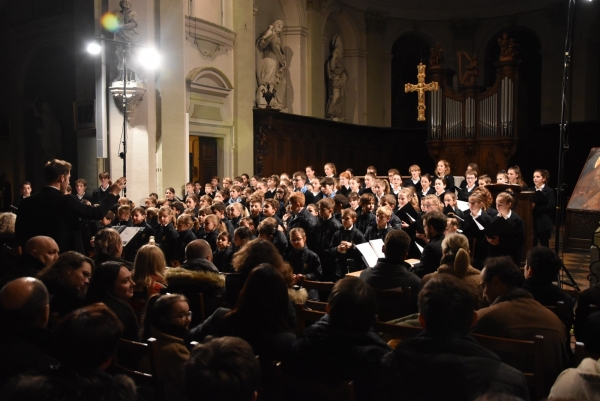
{"x":94,"y":48}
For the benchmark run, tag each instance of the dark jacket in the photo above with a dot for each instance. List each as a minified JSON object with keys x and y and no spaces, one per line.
{"x":183,"y":239}
{"x":199,"y":265}
{"x":166,"y":239}
{"x":542,"y":213}
{"x":98,"y":195}
{"x":222,"y":259}
{"x":329,"y":355}
{"x":510,"y":244}
{"x":323,"y":235}
{"x":452,"y":369}
{"x":138,"y":241}
{"x":351,"y":260}
{"x":306,"y":221}
{"x":376,"y":233}
{"x":431,"y":257}
{"x":51,"y":213}
{"x":474,"y":233}
{"x":387,"y":274}
{"x":549,"y":294}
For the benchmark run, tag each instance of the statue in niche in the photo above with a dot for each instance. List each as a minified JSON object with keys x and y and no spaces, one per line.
{"x":272,"y":66}
{"x":436,"y":56}
{"x":336,"y":79}
{"x":48,"y":130}
{"x":469,"y":78}
{"x":126,"y":33}
{"x":508,"y":47}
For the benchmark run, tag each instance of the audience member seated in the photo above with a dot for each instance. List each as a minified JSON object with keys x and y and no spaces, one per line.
{"x":580,"y":383}
{"x":167,"y":318}
{"x":392,"y":271}
{"x":222,"y":369}
{"x":39,"y":252}
{"x":342,"y":345}
{"x":445,"y":362}
{"x":108,"y":246}
{"x":253,"y":254}
{"x":8,"y":238}
{"x":67,"y":281}
{"x":587,"y":327}
{"x":113,"y":286}
{"x":84,"y":342}
{"x":456,"y":261}
{"x":198,"y":257}
{"x":148,"y":275}
{"x":24,"y":339}
{"x":197,"y":275}
{"x":514,"y":313}
{"x":542,"y":266}
{"x":435,"y":224}
{"x":260,"y":316}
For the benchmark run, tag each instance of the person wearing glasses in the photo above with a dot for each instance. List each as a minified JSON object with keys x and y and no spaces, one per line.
{"x":167,"y":319}
{"x":299,"y":182}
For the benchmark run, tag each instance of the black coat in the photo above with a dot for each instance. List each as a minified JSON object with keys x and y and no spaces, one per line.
{"x":510,"y":244}
{"x":352,"y":259}
{"x":408,"y":183}
{"x":53,"y":214}
{"x":542,"y":213}
{"x":477,"y":236}
{"x":431,"y":257}
{"x":462,"y":369}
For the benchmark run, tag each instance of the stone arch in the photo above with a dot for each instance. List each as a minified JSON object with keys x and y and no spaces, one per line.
{"x":425,"y":35}
{"x":208,"y":92}
{"x":209,"y":76}
{"x":294,"y":12}
{"x":353,"y":37}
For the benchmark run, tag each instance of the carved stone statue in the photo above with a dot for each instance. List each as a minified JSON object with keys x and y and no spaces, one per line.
{"x":336,"y":79}
{"x":126,"y":33}
{"x":508,"y":46}
{"x":272,"y":66}
{"x":436,"y":56}
{"x":470,"y":76}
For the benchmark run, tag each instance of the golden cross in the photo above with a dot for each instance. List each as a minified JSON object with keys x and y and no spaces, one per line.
{"x":421,"y":87}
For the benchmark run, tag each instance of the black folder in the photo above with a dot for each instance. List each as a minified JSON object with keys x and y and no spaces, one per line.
{"x":499,"y":227}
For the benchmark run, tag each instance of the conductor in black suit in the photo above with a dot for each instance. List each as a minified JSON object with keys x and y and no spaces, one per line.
{"x":51,"y":213}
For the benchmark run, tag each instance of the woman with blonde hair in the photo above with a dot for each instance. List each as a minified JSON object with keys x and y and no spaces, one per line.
{"x":108,"y":246}
{"x":456,"y":261}
{"x":148,"y":275}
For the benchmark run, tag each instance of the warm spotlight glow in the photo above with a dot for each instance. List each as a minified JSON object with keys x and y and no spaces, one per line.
{"x":110,"y":22}
{"x":149,"y":58}
{"x":93,"y":48}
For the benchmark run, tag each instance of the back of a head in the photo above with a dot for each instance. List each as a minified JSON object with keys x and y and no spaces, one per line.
{"x":544,"y":263}
{"x":197,"y":249}
{"x":455,"y":249}
{"x":505,"y":269}
{"x":264,"y":299}
{"x":103,"y":282}
{"x":447,"y":304}
{"x":254,"y":253}
{"x":54,"y":169}
{"x":107,"y":242}
{"x":436,"y":220}
{"x":352,"y":305}
{"x":24,"y":301}
{"x":222,"y":369}
{"x":397,"y":243}
{"x":88,"y":337}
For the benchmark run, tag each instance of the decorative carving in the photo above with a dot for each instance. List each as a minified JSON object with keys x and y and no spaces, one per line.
{"x":420,"y":88}
{"x":336,"y":79}
{"x":469,"y":77}
{"x":491,"y":164}
{"x":134,"y":94}
{"x":272,"y":66}
{"x":508,"y":47}
{"x":436,"y":56}
{"x":261,"y":148}
{"x":375,"y":22}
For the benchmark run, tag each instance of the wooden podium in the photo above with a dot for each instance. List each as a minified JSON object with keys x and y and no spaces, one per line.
{"x":521,"y":206}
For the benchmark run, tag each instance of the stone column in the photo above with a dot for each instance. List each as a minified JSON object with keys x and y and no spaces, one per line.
{"x":315,"y":88}
{"x":294,"y":44}
{"x":173,"y":128}
{"x":375,"y":23}
{"x":244,"y":80}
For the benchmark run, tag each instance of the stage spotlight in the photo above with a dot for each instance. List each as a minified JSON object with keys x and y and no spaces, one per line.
{"x":93,"y":48}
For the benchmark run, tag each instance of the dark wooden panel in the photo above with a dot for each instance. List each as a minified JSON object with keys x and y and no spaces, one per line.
{"x":315,"y":141}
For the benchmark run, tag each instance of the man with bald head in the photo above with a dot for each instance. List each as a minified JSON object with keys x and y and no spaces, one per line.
{"x":39,"y":252}
{"x":198,"y":257}
{"x":24,"y":339}
{"x":197,"y":275}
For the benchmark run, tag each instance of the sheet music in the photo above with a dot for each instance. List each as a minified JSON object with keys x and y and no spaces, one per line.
{"x":462,"y":205}
{"x":411,"y":218}
{"x":420,"y":247}
{"x":478,"y":225}
{"x":377,"y":245}
{"x":367,"y":253}
{"x":128,"y":234}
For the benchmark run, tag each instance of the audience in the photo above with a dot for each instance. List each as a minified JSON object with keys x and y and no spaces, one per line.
{"x":223,"y":369}
{"x":84,"y":342}
{"x":587,"y":320}
{"x":167,"y":318}
{"x":148,"y":275}
{"x":67,"y":281}
{"x":113,"y":286}
{"x":513,"y":313}
{"x":260,"y":316}
{"x":24,"y":339}
{"x":342,"y":345}
{"x":445,"y":362}
{"x":39,"y":252}
{"x":580,"y":383}
{"x":108,"y":246}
